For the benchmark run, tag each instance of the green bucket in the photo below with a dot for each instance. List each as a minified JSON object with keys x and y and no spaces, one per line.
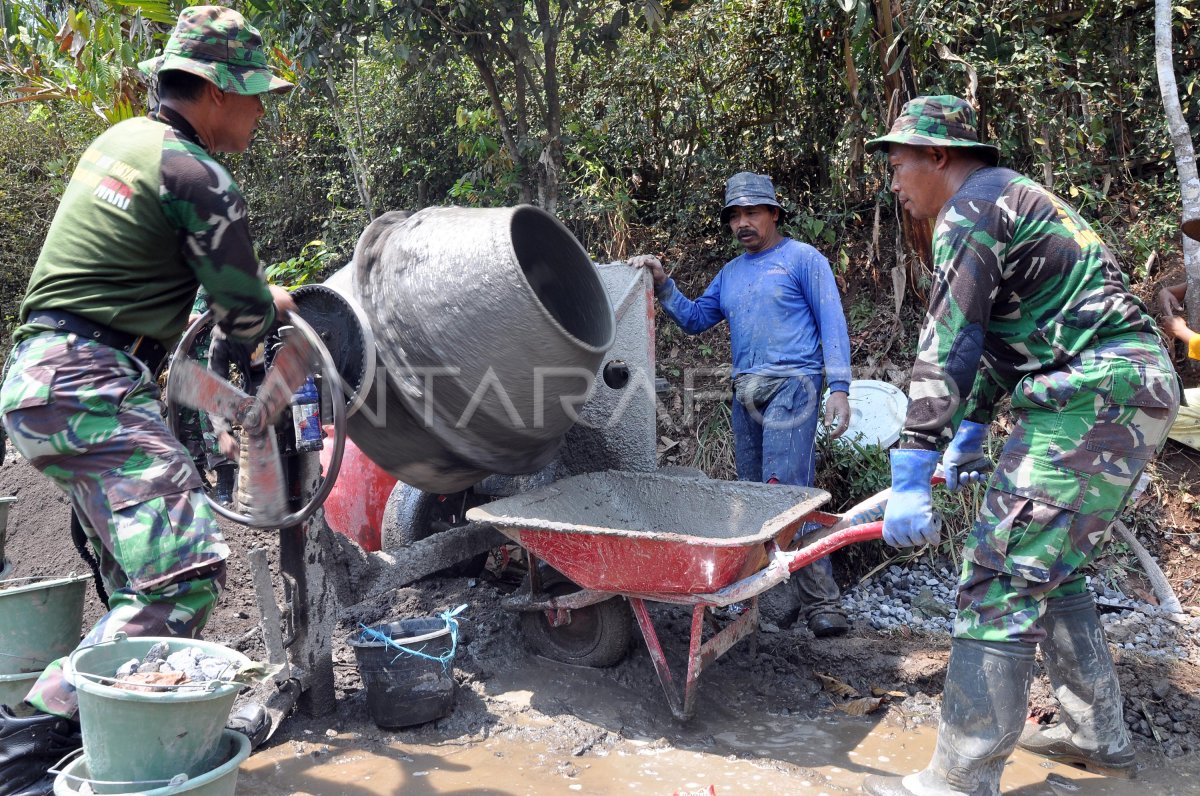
{"x":74,"y":778}
{"x":139,"y":736}
{"x":5,"y":505}
{"x":40,"y":621}
{"x":14,"y":687}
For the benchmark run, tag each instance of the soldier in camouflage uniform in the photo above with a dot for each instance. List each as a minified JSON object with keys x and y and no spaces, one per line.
{"x":1027,"y":302}
{"x":148,"y":216}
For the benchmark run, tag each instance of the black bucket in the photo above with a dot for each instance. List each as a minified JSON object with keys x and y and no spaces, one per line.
{"x":408,"y":669}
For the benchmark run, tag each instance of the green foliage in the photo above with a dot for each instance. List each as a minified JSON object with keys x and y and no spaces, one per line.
{"x":714,"y":437}
{"x":850,"y":472}
{"x":1070,"y":94}
{"x":38,"y":150}
{"x":86,"y":54}
{"x":520,"y":51}
{"x":305,"y":267}
{"x":861,"y":312}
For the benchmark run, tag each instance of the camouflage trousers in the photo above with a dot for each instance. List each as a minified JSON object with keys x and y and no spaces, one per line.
{"x":88,"y":416}
{"x":1083,"y":436}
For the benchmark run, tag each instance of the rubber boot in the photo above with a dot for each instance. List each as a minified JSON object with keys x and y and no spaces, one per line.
{"x":253,"y":721}
{"x":1091,"y":733}
{"x":29,"y":747}
{"x":818,"y":594}
{"x":984,"y":706}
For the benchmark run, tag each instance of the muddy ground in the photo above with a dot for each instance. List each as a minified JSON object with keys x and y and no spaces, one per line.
{"x":769,"y":716}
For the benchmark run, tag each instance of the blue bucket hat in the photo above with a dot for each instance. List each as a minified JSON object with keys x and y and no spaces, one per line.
{"x":746,"y":189}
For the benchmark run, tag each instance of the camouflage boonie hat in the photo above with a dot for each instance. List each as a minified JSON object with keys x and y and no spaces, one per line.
{"x":936,"y":121}
{"x":217,"y":44}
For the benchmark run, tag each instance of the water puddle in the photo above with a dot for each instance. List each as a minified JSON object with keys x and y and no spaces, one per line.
{"x":776,"y":756}
{"x":546,"y":708}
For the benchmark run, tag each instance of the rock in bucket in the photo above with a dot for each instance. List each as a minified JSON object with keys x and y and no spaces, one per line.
{"x":152,"y":708}
{"x":407,"y":667}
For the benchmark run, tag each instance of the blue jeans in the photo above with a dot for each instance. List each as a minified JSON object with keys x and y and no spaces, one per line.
{"x":774,"y":442}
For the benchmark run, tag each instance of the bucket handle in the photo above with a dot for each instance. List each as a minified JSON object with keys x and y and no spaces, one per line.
{"x":59,"y":769}
{"x":70,"y":672}
{"x":69,"y":575}
{"x":444,"y":659}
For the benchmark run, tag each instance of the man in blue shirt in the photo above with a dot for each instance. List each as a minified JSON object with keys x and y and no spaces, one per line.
{"x":788,"y":335}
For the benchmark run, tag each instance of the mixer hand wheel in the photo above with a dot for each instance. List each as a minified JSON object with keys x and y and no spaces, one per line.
{"x":300,"y":355}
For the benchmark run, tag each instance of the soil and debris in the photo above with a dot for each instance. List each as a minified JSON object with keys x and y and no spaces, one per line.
{"x":762,"y":705}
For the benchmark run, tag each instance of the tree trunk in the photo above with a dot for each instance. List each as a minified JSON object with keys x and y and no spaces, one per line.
{"x":506,"y":127}
{"x":550,"y":161}
{"x":1185,"y":155}
{"x":901,"y":86}
{"x":356,"y":166}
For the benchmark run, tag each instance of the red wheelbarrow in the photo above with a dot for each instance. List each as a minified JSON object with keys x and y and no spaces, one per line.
{"x":664,"y":538}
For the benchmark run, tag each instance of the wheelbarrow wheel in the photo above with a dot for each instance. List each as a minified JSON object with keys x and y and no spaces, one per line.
{"x":597,"y":635}
{"x":412,"y":515}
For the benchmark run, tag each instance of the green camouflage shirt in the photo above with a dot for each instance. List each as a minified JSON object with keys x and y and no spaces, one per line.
{"x":147,"y":216}
{"x":1022,"y":285}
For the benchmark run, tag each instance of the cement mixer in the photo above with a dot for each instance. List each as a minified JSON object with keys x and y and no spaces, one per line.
{"x":458,"y":350}
{"x":458,"y":344}
{"x":489,"y":326}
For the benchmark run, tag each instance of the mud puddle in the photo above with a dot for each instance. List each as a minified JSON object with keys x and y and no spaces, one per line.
{"x":571,"y":730}
{"x":336,"y":766}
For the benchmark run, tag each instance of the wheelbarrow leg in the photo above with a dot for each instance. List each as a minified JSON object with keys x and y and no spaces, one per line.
{"x":657,"y":656}
{"x":700,"y":653}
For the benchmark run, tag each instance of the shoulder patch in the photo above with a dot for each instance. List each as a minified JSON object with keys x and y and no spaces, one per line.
{"x":114,"y":192}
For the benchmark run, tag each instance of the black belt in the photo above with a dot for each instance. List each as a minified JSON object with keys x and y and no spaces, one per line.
{"x":147,"y":349}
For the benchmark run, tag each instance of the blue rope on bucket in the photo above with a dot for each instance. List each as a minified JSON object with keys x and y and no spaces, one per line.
{"x":371,"y":634}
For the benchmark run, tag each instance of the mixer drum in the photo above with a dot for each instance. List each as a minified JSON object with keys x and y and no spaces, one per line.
{"x":489,"y":326}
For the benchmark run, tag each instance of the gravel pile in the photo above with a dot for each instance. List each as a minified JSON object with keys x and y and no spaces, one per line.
{"x":1148,"y":645}
{"x":195,"y":665}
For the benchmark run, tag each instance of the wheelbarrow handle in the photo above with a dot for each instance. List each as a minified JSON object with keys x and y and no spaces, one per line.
{"x":864,"y":512}
{"x":825,"y":542}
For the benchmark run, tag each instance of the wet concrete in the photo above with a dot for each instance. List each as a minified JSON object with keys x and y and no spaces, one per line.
{"x":655,"y":505}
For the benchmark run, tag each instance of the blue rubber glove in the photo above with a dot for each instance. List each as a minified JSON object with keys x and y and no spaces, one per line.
{"x":965,"y":462}
{"x":908,"y":519}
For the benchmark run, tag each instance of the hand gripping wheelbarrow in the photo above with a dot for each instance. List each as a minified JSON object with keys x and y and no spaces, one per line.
{"x":665,"y":538}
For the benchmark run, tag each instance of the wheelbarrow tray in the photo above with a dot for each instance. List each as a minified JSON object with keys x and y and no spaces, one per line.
{"x":652,"y":533}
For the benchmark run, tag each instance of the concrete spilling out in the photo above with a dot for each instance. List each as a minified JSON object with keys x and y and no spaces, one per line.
{"x":489,"y":326}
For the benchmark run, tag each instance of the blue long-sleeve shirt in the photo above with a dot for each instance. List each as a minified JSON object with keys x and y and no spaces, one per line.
{"x":785,"y":315}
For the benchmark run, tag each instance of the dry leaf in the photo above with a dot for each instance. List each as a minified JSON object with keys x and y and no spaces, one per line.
{"x":861,"y":707}
{"x":837,"y":687}
{"x":882,"y":692}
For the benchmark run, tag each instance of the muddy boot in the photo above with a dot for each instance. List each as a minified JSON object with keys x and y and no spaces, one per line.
{"x":253,"y":721}
{"x":983,"y":709}
{"x":1091,"y":733}
{"x":819,"y":597}
{"x":29,"y":747}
